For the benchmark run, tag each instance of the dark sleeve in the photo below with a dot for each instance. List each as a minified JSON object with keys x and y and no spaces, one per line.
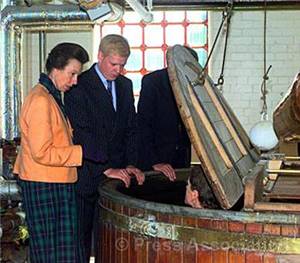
{"x":76,"y":101}
{"x":131,"y":132}
{"x":146,"y":119}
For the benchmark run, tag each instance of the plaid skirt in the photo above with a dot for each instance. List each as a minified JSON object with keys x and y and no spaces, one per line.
{"x":51,"y":217}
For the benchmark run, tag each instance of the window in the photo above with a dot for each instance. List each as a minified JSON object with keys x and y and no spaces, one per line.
{"x":149,"y":42}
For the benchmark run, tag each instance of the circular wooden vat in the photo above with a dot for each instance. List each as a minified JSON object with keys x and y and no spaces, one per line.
{"x":150,"y":223}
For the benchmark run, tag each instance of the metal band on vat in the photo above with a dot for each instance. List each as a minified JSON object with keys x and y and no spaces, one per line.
{"x":146,"y":227}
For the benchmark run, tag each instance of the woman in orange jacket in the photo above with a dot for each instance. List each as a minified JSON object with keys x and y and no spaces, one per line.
{"x":47,"y":160}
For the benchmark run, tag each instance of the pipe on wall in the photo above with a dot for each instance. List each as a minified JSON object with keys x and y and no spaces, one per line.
{"x":9,"y":190}
{"x":42,"y":48}
{"x":13,"y":19}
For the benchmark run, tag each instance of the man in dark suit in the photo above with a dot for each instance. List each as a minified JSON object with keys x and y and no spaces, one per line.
{"x":164,"y":142}
{"x":102,"y":114}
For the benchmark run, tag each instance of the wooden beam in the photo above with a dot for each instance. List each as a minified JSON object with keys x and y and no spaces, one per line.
{"x":253,"y":187}
{"x":217,"y":4}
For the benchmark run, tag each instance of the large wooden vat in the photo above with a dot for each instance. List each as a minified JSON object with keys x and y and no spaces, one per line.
{"x":135,"y":227}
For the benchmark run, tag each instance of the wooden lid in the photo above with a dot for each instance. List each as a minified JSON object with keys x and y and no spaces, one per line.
{"x":220,"y":141}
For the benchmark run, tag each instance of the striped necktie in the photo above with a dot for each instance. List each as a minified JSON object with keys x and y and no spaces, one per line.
{"x":109,"y":90}
{"x":109,"y":87}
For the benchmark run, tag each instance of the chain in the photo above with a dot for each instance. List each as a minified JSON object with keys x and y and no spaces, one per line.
{"x":264,"y":92}
{"x":263,"y":88}
{"x":226,"y":15}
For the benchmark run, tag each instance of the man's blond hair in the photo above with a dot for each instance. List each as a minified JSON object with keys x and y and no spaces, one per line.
{"x":114,"y":44}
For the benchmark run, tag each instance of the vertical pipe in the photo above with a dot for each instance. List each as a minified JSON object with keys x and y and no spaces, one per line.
{"x":42,"y":49}
{"x":8,"y":83}
{"x":17,"y":87}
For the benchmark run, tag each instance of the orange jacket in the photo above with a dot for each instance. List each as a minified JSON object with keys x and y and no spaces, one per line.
{"x":47,"y":153}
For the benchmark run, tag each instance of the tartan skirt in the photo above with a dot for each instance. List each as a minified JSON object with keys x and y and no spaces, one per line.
{"x":51,"y":217}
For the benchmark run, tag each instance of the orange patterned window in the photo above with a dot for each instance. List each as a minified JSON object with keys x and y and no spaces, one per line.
{"x":149,"y":42}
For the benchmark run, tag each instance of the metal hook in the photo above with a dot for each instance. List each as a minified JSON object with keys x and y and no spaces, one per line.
{"x":220,"y":80}
{"x":228,"y":10}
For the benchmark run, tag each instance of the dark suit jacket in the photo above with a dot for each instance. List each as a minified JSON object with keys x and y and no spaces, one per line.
{"x":97,"y":124}
{"x":163,"y":137}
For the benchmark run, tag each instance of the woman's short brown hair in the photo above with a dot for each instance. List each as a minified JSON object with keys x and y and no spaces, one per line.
{"x":60,"y":55}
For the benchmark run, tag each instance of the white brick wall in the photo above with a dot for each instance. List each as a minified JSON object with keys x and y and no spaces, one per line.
{"x":244,"y":59}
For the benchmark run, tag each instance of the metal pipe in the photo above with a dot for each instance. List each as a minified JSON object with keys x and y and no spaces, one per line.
{"x":41,"y":13}
{"x":42,"y":48}
{"x":13,"y":21}
{"x":9,"y":78}
{"x":9,"y":190}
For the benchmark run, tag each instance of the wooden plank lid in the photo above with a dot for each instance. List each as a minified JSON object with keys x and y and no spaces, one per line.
{"x":220,"y":141}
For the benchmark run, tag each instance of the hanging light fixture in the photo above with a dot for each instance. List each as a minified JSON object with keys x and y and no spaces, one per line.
{"x":262,"y":134}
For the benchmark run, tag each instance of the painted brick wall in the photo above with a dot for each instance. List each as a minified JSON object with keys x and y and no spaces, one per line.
{"x":244,"y":59}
